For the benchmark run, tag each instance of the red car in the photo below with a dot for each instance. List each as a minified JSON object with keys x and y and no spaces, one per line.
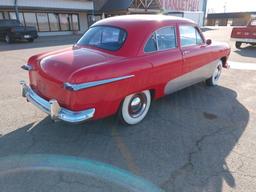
{"x":245,"y":34}
{"x":120,"y":65}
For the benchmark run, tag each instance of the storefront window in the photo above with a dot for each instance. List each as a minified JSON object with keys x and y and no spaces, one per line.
{"x":54,"y":21}
{"x":6,"y":15}
{"x":1,"y":15}
{"x":75,"y":23}
{"x":43,"y":23}
{"x":13,"y":16}
{"x":30,"y":19}
{"x":65,"y":21}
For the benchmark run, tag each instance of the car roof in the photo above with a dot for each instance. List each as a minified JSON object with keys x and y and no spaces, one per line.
{"x":125,"y":21}
{"x":139,"y":28}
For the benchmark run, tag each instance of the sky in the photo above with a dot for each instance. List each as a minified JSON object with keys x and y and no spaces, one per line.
{"x":218,"y":6}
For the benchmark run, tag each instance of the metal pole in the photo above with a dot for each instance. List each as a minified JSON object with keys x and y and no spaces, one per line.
{"x":16,"y":9}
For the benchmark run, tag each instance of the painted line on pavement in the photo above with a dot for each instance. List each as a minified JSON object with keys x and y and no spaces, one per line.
{"x":242,"y":65}
{"x":125,"y":152}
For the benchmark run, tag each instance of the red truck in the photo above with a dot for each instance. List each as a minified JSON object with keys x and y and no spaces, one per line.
{"x":246,"y":34}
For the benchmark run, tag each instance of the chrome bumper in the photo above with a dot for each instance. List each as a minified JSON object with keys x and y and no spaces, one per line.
{"x":53,"y":108}
{"x":243,"y":40}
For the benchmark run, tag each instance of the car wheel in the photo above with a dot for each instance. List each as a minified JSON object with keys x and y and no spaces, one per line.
{"x":30,"y":40}
{"x":214,"y":79}
{"x":238,"y":45}
{"x":8,"y":39}
{"x":135,"y":107}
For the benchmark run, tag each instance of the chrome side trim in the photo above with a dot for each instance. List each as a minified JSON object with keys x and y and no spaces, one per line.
{"x":191,"y":78}
{"x":77,"y":87}
{"x":244,"y":40}
{"x":53,"y":108}
{"x":27,"y":67}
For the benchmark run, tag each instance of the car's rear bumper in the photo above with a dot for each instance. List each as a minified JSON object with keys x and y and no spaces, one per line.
{"x":24,"y":36}
{"x":53,"y":108}
{"x":243,"y":40}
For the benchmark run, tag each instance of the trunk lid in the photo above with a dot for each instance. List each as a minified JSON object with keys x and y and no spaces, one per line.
{"x":60,"y":66}
{"x":52,"y":70}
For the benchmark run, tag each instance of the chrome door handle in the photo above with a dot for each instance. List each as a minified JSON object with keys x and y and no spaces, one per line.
{"x":185,"y":52}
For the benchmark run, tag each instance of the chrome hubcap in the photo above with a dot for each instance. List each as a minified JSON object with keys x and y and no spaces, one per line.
{"x":137,"y":105}
{"x":217,"y":73}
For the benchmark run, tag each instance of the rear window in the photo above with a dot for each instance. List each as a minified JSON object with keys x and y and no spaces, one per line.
{"x":104,"y":37}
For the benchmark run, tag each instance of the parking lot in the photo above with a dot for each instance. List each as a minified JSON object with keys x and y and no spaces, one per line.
{"x":200,"y":139}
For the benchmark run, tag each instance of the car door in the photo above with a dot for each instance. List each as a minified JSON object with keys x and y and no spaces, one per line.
{"x":161,"y":50}
{"x":196,"y":55}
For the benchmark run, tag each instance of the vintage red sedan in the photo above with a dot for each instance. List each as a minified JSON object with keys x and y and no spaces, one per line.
{"x":120,"y":65}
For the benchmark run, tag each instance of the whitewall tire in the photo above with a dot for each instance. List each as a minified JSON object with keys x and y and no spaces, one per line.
{"x":135,"y":107}
{"x":214,"y":79}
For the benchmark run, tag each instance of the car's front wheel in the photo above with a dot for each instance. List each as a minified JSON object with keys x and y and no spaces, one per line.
{"x":214,"y":79}
{"x":135,"y":107}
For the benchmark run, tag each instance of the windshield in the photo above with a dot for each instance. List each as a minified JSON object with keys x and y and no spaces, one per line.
{"x":104,"y":37}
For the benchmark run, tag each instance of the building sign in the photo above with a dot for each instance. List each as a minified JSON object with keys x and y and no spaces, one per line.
{"x":180,"y":5}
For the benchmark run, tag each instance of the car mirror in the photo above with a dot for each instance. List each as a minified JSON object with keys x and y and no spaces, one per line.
{"x":208,"y":42}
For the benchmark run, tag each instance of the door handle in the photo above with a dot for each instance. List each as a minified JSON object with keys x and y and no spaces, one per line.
{"x":185,"y":52}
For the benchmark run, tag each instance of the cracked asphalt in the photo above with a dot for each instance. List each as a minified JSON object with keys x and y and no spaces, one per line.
{"x":200,"y":139}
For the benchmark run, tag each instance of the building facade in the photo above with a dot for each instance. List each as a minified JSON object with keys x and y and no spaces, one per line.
{"x":229,"y":19}
{"x":192,"y":9}
{"x":50,"y":17}
{"x":62,"y":17}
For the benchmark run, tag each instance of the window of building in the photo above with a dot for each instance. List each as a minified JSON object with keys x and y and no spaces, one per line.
{"x":30,"y":19}
{"x":6,"y":15}
{"x":54,"y":21}
{"x":162,"y":39}
{"x":13,"y":16}
{"x":43,"y":24}
{"x":65,"y":21}
{"x":1,"y":15}
{"x":190,"y":36}
{"x":75,"y":22}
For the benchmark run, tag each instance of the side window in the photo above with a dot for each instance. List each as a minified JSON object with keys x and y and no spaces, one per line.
{"x":151,"y":44}
{"x":162,"y":39}
{"x":166,"y":38}
{"x":189,"y":35}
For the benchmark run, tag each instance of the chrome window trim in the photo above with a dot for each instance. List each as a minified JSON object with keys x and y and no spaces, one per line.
{"x":77,"y":87}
